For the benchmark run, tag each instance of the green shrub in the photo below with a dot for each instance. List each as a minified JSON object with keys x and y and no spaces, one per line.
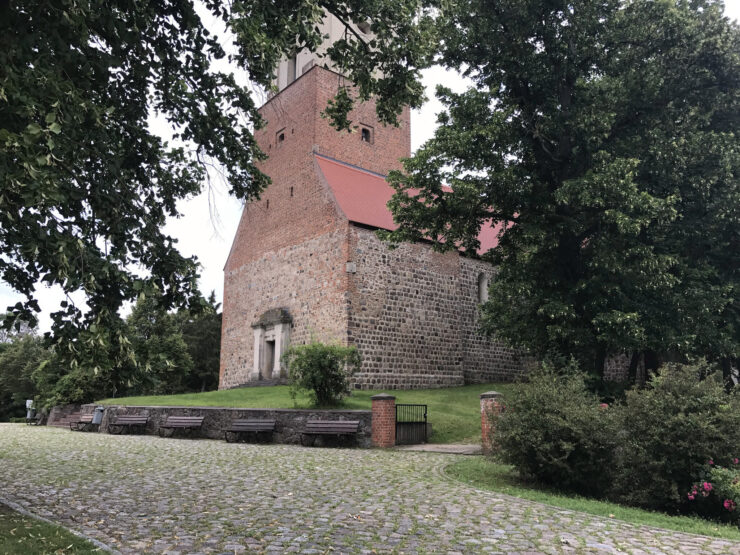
{"x":669,"y":431}
{"x":555,"y":431}
{"x":717,"y":493}
{"x":323,"y":370}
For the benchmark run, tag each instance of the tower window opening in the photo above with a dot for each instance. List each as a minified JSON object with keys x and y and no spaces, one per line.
{"x":366,"y":134}
{"x":364,"y":27}
{"x":291,"y":191}
{"x":280,"y":137}
{"x":267,"y":204}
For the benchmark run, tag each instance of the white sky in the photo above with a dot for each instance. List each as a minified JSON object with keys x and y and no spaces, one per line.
{"x":207,"y":226}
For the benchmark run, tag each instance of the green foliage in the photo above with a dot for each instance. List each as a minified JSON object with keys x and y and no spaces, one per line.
{"x":669,"y":431}
{"x":555,"y":431}
{"x":201,"y":332}
{"x":86,"y":187}
{"x":716,"y":494}
{"x":18,"y":360}
{"x":603,"y":138}
{"x":322,"y":370}
{"x":160,"y":362}
{"x":646,"y":451}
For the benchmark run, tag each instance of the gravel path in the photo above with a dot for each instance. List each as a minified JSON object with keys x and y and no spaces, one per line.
{"x":143,"y":494}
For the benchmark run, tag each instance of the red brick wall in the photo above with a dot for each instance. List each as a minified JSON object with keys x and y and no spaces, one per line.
{"x":389,"y":144}
{"x":384,"y":420}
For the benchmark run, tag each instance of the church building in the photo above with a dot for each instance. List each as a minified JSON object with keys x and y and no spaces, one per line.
{"x":306,"y":263}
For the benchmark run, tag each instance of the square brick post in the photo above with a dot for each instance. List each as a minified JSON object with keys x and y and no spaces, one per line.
{"x":384,"y":420}
{"x":490,"y":404}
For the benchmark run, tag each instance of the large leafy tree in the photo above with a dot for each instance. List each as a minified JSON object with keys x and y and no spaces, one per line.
{"x":603,"y":136}
{"x":201,"y":332}
{"x":85,"y":186}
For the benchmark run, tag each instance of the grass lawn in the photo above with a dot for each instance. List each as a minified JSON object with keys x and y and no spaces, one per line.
{"x":484,"y":474}
{"x":22,"y":535}
{"x":454,"y":412}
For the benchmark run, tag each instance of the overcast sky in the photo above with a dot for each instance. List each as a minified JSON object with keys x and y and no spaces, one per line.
{"x":209,"y":221}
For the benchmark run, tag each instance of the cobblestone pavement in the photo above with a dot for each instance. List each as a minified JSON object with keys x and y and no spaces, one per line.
{"x":143,"y":494}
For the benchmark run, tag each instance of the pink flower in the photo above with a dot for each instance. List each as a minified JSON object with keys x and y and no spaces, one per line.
{"x":604,"y":405}
{"x":729,"y":504}
{"x":735,"y":460}
{"x":711,"y":462}
{"x":691,"y":497}
{"x":705,"y":494}
{"x":707,"y":486}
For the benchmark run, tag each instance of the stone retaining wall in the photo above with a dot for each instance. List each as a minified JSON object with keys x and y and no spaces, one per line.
{"x":289,"y":422}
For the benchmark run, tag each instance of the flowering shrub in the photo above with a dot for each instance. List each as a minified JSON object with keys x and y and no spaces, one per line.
{"x":647,"y":451}
{"x":669,"y":431}
{"x":717,"y":494}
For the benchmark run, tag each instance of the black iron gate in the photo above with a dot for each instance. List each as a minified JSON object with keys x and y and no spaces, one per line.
{"x":411,"y":424}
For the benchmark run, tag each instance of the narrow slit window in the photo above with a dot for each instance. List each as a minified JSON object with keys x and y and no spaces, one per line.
{"x":482,"y":288}
{"x":291,"y":191}
{"x":366,"y":134}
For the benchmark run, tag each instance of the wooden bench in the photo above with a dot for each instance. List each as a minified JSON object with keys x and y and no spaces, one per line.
{"x":182,"y":423}
{"x":253,"y":429}
{"x":127,"y":422}
{"x":81,"y":422}
{"x":340,"y":429}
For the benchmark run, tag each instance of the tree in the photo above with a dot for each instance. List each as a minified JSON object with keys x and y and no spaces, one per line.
{"x":160,"y":364}
{"x":603,"y":136}
{"x":19,"y":358}
{"x":85,"y":186}
{"x":201,"y":332}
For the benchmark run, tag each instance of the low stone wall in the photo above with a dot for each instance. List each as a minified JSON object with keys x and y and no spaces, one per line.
{"x":59,"y":415}
{"x":289,"y":422}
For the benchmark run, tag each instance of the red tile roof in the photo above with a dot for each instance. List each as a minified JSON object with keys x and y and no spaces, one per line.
{"x":363,"y":197}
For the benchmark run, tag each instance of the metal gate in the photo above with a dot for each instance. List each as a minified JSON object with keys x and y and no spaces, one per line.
{"x":411,"y":424}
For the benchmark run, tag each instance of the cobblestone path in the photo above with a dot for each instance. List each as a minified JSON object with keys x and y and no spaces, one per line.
{"x":143,"y":494}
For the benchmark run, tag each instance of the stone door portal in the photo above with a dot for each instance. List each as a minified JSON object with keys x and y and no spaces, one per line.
{"x":271,"y":338}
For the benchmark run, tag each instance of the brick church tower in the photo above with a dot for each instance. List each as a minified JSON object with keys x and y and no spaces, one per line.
{"x":306,"y":264}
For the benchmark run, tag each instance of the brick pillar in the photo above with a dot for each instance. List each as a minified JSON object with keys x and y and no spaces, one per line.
{"x":384,"y":420}
{"x":490,"y":404}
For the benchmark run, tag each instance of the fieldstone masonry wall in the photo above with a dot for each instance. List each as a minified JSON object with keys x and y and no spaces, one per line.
{"x":413,"y":315}
{"x":307,"y":279}
{"x":289,"y":424}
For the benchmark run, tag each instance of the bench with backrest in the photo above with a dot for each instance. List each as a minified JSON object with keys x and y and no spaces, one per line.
{"x":251,"y":429}
{"x":173,"y":423}
{"x":340,"y":429}
{"x":127,"y":422}
{"x":81,"y":422}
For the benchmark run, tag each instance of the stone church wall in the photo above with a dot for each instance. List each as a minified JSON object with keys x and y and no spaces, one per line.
{"x":308,"y":279}
{"x":484,"y":360}
{"x":413,"y":316}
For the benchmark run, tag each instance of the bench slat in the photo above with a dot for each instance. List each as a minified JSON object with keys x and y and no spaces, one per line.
{"x":251,"y":426}
{"x":183,"y":422}
{"x":331,"y":427}
{"x":130,"y":420}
